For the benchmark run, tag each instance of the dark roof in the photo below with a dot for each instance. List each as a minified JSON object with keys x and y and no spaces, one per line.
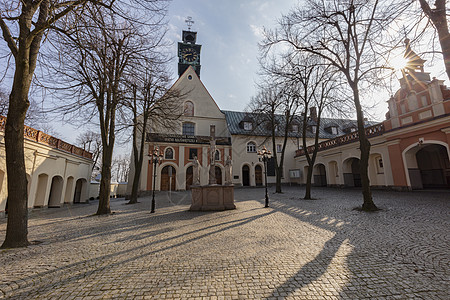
{"x":235,"y":121}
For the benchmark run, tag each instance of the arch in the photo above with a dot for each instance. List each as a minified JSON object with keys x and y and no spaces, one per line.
{"x":41,"y":190}
{"x":168,"y":178}
{"x":427,"y":165}
{"x":56,"y":189}
{"x":80,"y":190}
{"x":251,"y":147}
{"x":188,"y":108}
{"x":245,"y":175}
{"x":169,"y":153}
{"x":352,"y":175}
{"x":69,"y":188}
{"x":320,"y":175}
{"x":333,"y":172}
{"x":258,"y":175}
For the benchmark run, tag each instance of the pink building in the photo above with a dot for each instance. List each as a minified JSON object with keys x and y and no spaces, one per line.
{"x":410,"y":149}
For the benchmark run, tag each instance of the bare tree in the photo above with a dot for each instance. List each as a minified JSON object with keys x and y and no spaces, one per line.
{"x":101,"y":53}
{"x":438,"y":16}
{"x":345,"y":34}
{"x":92,"y":142}
{"x":23,"y":26}
{"x":317,"y":87}
{"x":150,"y":100}
{"x":120,"y":168}
{"x":274,"y":108}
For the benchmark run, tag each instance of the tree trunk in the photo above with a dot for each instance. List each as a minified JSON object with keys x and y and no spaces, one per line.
{"x":278,"y":180}
{"x":105,"y":182}
{"x":308,"y":184}
{"x":364,"y":146}
{"x":439,"y":19}
{"x":17,"y":226}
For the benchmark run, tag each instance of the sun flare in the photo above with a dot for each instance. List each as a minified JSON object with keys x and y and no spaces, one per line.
{"x":398,"y":62}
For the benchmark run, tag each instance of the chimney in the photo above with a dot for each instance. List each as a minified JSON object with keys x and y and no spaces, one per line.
{"x":313,"y":113}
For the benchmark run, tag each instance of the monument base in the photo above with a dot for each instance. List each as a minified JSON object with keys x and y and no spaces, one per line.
{"x":212,"y":197}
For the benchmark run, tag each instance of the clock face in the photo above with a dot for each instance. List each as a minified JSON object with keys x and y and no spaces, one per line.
{"x":189,"y":54}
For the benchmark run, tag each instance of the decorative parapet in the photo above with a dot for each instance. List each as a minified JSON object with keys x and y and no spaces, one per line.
{"x":43,"y":138}
{"x":351,"y":137}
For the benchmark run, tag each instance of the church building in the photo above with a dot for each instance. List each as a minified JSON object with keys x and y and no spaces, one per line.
{"x":410,"y":150}
{"x":237,"y":136}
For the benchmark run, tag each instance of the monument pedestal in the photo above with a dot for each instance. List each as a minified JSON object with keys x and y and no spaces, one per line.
{"x":212,"y":197}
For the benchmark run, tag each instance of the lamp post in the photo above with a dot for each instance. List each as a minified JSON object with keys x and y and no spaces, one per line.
{"x":264,"y":156}
{"x":156,"y":158}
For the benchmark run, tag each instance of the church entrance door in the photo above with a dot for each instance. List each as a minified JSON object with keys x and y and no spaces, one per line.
{"x":168,"y":178}
{"x":258,"y":176}
{"x":245,"y":176}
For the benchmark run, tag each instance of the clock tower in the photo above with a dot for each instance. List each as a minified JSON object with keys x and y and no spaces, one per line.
{"x":188,"y":50}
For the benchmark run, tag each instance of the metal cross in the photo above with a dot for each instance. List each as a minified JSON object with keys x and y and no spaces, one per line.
{"x":189,"y":22}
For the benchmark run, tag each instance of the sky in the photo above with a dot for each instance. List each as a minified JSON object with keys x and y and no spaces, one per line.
{"x":229,"y":32}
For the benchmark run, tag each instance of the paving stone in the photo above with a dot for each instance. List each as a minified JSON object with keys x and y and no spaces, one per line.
{"x":296,"y":249}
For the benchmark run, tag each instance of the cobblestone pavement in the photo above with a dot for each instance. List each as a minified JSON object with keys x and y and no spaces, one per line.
{"x":296,"y":249}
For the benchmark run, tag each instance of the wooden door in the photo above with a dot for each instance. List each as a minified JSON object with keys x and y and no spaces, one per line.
{"x":245,"y":175}
{"x":166,"y":182}
{"x":258,"y":175}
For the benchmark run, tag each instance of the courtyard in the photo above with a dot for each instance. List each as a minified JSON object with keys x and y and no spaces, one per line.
{"x":296,"y":249}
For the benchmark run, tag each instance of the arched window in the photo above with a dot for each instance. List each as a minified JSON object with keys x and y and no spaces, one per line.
{"x":217,"y":155}
{"x":251,"y":147}
{"x":168,"y":153}
{"x":188,"y":109}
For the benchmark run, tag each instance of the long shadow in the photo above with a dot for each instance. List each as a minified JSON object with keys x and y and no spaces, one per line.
{"x":365,"y":242}
{"x":76,"y":274}
{"x":311,"y":271}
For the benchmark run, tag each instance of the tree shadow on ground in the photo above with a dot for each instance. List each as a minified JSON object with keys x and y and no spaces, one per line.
{"x":81,"y":269}
{"x":379,"y":246}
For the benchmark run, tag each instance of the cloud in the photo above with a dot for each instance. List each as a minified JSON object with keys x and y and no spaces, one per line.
{"x":257,"y":31}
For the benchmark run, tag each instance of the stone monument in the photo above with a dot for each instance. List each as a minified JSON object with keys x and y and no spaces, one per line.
{"x":212,"y":196}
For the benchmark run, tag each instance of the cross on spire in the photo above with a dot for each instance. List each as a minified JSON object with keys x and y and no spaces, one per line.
{"x":189,"y":22}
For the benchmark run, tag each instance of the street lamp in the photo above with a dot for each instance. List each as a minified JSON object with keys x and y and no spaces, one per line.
{"x":264,"y":156}
{"x":156,"y":159}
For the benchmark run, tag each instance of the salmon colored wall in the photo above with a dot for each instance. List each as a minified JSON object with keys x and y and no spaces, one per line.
{"x":199,"y":154}
{"x":398,"y":171}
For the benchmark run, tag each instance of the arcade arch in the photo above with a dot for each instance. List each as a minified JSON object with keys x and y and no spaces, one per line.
{"x":427,"y":165}
{"x":56,"y":189}
{"x":320,"y":175}
{"x":352,"y":175}
{"x":41,"y":190}
{"x":80,"y":190}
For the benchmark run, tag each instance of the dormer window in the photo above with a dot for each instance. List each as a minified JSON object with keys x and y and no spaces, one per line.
{"x":312,"y":128}
{"x":333,"y":129}
{"x":294,"y":128}
{"x":248,"y":126}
